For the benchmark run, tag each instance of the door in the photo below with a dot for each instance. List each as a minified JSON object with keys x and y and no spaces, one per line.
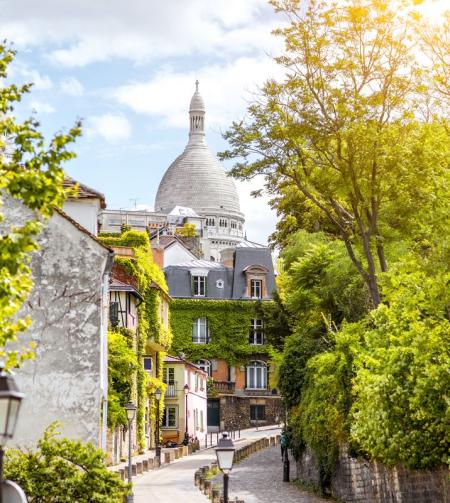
{"x":213,"y":413}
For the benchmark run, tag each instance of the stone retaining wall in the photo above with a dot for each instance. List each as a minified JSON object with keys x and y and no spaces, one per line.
{"x":357,"y":480}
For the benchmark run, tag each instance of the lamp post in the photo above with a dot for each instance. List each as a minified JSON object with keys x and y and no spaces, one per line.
{"x":131,"y":412}
{"x":186,"y":432}
{"x":158,"y":447}
{"x":225,"y":456}
{"x":10,"y":399}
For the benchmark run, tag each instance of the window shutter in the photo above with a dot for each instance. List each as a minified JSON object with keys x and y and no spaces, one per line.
{"x":192,"y":285}
{"x":214,"y":365}
{"x":206,"y":286}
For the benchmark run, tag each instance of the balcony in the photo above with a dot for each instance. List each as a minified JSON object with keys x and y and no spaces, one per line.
{"x":172,"y":390}
{"x":224,"y":387}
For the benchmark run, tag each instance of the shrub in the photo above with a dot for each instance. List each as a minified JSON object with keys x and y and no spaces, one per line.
{"x":64,"y":471}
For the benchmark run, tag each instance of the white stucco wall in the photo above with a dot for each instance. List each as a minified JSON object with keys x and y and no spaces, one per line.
{"x":67,"y":381}
{"x":85,"y":212}
{"x":177,"y":254}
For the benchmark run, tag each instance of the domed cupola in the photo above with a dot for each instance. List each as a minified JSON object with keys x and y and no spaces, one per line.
{"x":196,"y":179}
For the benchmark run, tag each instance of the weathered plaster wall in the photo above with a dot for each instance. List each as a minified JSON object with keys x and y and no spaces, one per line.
{"x":67,"y":380}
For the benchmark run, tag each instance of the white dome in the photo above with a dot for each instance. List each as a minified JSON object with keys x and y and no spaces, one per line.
{"x":196,"y":178}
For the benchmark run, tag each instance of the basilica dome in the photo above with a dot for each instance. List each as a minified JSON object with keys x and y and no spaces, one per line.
{"x":196,"y":179}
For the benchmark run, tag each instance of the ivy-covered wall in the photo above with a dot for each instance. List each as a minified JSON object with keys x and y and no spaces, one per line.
{"x":228,"y":324}
{"x":152,"y":286}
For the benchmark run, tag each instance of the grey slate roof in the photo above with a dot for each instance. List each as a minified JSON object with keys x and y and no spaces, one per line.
{"x":178,"y":276}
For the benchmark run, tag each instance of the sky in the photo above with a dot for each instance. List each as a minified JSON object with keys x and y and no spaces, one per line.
{"x":127,"y":69}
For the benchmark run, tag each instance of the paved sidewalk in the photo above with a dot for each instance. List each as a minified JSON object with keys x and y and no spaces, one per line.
{"x":175,"y":482}
{"x":259,"y":479}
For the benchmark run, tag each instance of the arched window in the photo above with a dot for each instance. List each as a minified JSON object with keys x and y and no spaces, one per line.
{"x":256,"y":375}
{"x":200,"y":331}
{"x":206,"y":366}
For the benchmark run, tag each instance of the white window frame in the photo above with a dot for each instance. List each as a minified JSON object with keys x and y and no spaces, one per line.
{"x":256,"y":331}
{"x":199,"y":286}
{"x":197,"y":328}
{"x":256,"y":375}
{"x":255,"y":286}
{"x":206,"y":366}
{"x":148,"y":358}
{"x":166,"y":417}
{"x":169,"y":376}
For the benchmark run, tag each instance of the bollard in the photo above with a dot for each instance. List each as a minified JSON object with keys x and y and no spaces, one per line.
{"x":190,"y":450}
{"x":277,"y":439}
{"x":176,"y":453}
{"x":150,"y":463}
{"x":197,"y":476}
{"x":167,"y":457}
{"x":122,"y":473}
{"x":145,"y":465}
{"x":156,"y":463}
{"x":133,"y":470}
{"x":139,"y":468}
{"x":207,"y":487}
{"x":272,"y":440}
{"x":215,"y":496}
{"x":286,"y":468}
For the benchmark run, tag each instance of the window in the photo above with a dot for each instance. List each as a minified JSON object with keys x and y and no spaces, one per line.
{"x":200,"y":331}
{"x":257,"y":412}
{"x":169,"y":376}
{"x":114,"y":314}
{"x":199,"y":285}
{"x":233,"y":224}
{"x":201,"y":421}
{"x":257,"y":375}
{"x":219,"y":283}
{"x":255,"y":288}
{"x":256,"y":336}
{"x":148,"y":364}
{"x":223,"y":222}
{"x":169,"y":417}
{"x":210,"y":222}
{"x":205,"y":365}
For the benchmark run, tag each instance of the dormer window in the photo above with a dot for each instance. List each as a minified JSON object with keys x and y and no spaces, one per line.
{"x":256,"y":288}
{"x":256,"y":281}
{"x":199,"y":286}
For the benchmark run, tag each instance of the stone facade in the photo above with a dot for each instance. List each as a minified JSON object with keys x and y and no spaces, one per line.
{"x":235,"y":411}
{"x":357,"y":480}
{"x":67,"y":380}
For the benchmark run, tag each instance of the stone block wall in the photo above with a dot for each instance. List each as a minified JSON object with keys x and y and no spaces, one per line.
{"x":357,"y":480}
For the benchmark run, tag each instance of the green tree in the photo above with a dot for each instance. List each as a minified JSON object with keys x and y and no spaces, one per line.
{"x":344,"y":134}
{"x":401,"y":412}
{"x":30,"y":170}
{"x":187,"y":231}
{"x":64,"y":471}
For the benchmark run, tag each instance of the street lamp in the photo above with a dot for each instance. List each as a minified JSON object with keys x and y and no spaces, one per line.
{"x":10,"y":399}
{"x":158,"y":447}
{"x":186,"y":433}
{"x":131,"y":412}
{"x":225,"y":456}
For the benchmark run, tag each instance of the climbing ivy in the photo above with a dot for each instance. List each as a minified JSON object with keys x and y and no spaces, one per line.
{"x":150,"y":280}
{"x":228,"y":325}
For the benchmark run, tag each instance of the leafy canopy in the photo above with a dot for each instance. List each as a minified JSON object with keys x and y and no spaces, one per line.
{"x":343,"y":140}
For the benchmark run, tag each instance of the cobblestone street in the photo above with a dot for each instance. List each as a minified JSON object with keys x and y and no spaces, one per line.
{"x":259,"y":479}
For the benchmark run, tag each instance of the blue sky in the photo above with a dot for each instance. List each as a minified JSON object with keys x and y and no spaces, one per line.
{"x":128,"y":70}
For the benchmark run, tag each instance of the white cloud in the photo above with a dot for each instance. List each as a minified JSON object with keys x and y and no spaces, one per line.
{"x":22,"y":72}
{"x":141,"y":30}
{"x":41,"y":107}
{"x":260,"y":218}
{"x":112,"y":128}
{"x":71,"y":86}
{"x":226,"y":90}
